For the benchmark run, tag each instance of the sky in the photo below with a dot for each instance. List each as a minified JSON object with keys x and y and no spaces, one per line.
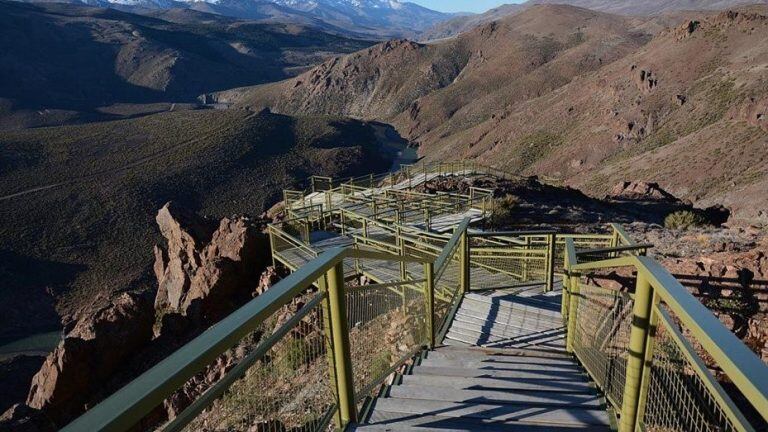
{"x":477,"y":6}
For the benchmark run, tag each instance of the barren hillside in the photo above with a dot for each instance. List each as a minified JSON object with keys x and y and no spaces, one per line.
{"x":78,"y":202}
{"x":655,"y":8}
{"x":67,"y":63}
{"x":588,"y":97}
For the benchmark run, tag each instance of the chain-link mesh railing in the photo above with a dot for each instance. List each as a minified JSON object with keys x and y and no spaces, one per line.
{"x":652,"y":351}
{"x":447,"y":284}
{"x":601,"y":337}
{"x":499,"y":263}
{"x":682,"y":393}
{"x":287,"y":388}
{"x":386,"y":325}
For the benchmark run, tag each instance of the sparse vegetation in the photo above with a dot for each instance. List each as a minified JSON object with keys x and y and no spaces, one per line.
{"x":503,"y":208}
{"x":684,"y":219}
{"x":536,"y":146}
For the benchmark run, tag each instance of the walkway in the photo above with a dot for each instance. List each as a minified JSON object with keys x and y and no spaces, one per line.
{"x":526,"y":382}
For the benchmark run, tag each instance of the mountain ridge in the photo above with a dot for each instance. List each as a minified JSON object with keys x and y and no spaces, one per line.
{"x":567,"y":92}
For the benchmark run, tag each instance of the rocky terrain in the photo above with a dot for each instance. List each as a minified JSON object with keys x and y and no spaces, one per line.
{"x":78,"y":201}
{"x":64,"y":63}
{"x":656,"y":8}
{"x":590,"y":98}
{"x":203,"y":272}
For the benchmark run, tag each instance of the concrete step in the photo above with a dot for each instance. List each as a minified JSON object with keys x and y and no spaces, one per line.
{"x":541,"y":399}
{"x":490,"y":411}
{"x":544,"y":302}
{"x":395,"y":422}
{"x":503,"y":384}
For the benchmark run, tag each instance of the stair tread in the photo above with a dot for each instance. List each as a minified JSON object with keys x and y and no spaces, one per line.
{"x":390,"y":422}
{"x":490,"y":411}
{"x":541,"y":399}
{"x":542,"y":374}
{"x":509,"y":384}
{"x":503,"y":353}
{"x":490,"y":364}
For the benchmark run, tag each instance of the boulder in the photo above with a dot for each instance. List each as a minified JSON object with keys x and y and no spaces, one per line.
{"x":641,"y":191}
{"x":97,"y":347}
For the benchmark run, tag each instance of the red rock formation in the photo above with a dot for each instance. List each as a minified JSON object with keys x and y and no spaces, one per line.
{"x":204,"y":274}
{"x":97,"y":347}
{"x":640,"y":190}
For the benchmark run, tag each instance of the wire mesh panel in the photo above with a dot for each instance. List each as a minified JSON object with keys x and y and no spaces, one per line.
{"x":287,"y":388}
{"x":603,"y":324}
{"x":580,"y":241}
{"x":682,"y":395}
{"x":498,"y":264}
{"x":447,"y":285}
{"x":386,"y":324}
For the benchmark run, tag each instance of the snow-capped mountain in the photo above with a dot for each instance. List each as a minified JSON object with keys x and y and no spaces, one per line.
{"x":361,"y":18}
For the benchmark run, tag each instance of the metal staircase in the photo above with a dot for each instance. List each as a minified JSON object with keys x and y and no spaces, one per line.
{"x":527,"y":381}
{"x":402,"y":317}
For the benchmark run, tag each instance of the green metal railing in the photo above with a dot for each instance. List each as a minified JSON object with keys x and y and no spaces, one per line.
{"x":313,"y":351}
{"x":645,"y":349}
{"x":324,"y":364}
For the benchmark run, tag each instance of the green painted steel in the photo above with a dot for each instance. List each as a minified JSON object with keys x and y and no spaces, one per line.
{"x":638,"y":347}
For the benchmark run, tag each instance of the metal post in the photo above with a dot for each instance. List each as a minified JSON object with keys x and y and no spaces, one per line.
{"x":429,"y":298}
{"x":614,"y":242}
{"x":552,"y":241}
{"x":638,"y":341}
{"x":648,"y":359}
{"x":464,"y":262}
{"x":341,"y":350}
{"x":526,"y":257}
{"x":573,"y":304}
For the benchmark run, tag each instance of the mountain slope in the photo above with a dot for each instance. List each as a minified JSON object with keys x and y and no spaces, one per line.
{"x":572,"y":93}
{"x":385,"y":81}
{"x":461,"y":24}
{"x":359,"y":18}
{"x":62,"y":62}
{"x":78,"y":202}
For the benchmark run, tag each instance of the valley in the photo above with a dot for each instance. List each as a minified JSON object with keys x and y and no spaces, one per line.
{"x":582,"y":96}
{"x":110,"y":110}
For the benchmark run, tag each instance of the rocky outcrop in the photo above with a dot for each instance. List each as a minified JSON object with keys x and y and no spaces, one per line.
{"x":734,"y":286}
{"x":640,"y":191}
{"x":22,"y":418}
{"x":205,"y":272}
{"x":97,"y":347}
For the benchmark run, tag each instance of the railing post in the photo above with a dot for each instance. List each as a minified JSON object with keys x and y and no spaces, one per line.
{"x":526,"y":258}
{"x":636,"y":361}
{"x":464,"y":275}
{"x":551,"y":242}
{"x":429,"y":298}
{"x":342,"y":360}
{"x":573,"y":304}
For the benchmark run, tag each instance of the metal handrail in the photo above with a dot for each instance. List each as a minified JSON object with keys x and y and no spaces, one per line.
{"x":657,"y":286}
{"x":123,"y":409}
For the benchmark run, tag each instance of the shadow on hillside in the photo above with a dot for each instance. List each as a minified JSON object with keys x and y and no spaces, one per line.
{"x":27,"y":295}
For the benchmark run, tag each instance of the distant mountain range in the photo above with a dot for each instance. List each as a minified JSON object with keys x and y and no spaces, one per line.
{"x":454,"y":26}
{"x":362,"y":18}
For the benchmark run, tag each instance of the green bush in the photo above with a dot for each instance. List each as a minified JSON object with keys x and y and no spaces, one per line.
{"x":684,"y":219}
{"x":501,"y":214}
